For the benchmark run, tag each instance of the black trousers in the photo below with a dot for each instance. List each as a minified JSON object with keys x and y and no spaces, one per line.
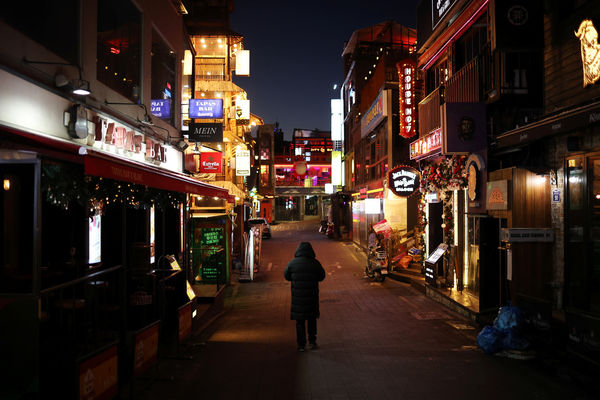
{"x":301,"y":331}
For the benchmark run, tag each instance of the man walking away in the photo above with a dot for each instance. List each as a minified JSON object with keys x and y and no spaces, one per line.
{"x":305,"y":273}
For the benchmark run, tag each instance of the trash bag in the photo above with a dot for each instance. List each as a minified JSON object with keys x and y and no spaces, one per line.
{"x":489,"y":339}
{"x":509,"y":318}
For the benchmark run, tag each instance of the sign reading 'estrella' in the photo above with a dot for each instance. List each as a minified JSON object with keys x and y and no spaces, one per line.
{"x":160,"y":108}
{"x":206,"y":108}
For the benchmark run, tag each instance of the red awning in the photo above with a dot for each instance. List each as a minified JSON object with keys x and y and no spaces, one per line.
{"x":99,"y":164}
{"x":107,"y":166}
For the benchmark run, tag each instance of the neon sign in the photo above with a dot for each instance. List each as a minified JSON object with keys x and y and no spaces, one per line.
{"x":406,"y":70}
{"x":426,"y":145}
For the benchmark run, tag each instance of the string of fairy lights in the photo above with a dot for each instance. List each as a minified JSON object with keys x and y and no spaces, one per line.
{"x":63,"y":186}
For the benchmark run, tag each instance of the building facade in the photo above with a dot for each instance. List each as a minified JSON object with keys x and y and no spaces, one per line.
{"x":379,"y":117}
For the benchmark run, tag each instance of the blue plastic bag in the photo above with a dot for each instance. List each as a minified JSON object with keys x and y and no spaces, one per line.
{"x":490,"y":339}
{"x":509,"y":318}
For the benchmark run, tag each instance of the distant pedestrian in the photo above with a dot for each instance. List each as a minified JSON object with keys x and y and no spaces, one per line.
{"x":305,"y":272}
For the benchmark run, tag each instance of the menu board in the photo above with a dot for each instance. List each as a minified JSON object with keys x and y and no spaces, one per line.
{"x":212,"y":264}
{"x":430,"y":263}
{"x":211,"y":237}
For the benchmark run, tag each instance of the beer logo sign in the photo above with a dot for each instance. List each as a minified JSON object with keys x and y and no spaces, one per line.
{"x":404,"y":181}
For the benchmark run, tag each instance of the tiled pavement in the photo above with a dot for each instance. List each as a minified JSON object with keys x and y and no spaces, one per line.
{"x":377,"y":341}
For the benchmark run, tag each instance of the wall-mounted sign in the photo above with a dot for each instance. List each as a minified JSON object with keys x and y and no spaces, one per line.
{"x":497,"y":195}
{"x":404,"y":181}
{"x":375,"y":114}
{"x":242,"y":163}
{"x":206,"y":132}
{"x":161,"y":108}
{"x":126,"y":142}
{"x":242,"y":112}
{"x":590,"y":52}
{"x":527,"y":235}
{"x":406,"y":70}
{"x":439,"y":8}
{"x":211,"y":162}
{"x":426,"y":145}
{"x":432,"y":197}
{"x":473,"y":182}
{"x":206,"y":108}
{"x":463,"y":128}
{"x":372,"y":206}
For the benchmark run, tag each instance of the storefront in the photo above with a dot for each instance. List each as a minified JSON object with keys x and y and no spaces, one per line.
{"x":93,"y":235}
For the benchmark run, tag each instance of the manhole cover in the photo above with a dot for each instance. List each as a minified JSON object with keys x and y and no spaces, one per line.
{"x":427,"y":315}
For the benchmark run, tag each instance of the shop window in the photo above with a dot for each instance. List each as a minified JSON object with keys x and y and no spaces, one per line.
{"x":164,"y":78}
{"x":470,"y":45}
{"x":118,"y":51}
{"x":436,"y":76}
{"x":55,"y":28}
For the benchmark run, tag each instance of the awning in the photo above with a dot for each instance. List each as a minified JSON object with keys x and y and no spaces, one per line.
{"x":101,"y":164}
{"x":231,"y":187}
{"x":563,"y":122}
{"x":106,"y":166}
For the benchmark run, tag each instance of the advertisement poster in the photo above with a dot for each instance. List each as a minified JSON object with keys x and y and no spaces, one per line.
{"x":95,"y":242}
{"x":211,"y":162}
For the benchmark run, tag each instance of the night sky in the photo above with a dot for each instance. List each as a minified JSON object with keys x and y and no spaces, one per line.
{"x":295,"y":53}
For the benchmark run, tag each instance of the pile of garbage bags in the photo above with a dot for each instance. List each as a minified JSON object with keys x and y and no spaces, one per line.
{"x":505,"y":334}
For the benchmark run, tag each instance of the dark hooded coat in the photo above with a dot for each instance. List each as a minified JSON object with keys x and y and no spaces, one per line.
{"x":305,"y":273}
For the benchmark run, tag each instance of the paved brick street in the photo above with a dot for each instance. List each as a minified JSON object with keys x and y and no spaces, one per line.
{"x":377,"y":341}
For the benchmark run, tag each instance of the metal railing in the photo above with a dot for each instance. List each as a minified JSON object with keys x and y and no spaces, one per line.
{"x":429,"y":111}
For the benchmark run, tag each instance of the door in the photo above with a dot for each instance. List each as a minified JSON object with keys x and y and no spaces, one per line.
{"x":20,"y":204}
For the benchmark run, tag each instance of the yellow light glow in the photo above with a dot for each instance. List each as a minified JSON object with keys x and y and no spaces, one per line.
{"x":215,"y":198}
{"x":7,"y":184}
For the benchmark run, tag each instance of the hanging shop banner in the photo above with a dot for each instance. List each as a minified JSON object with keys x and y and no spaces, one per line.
{"x":408,"y":117}
{"x":376,"y":113}
{"x":463,"y":127}
{"x":242,"y":112}
{"x":211,"y":162}
{"x":206,"y":108}
{"x":242,"y":63}
{"x":427,"y":145}
{"x":161,"y":108}
{"x":206,"y":132}
{"x":242,"y":163}
{"x":404,"y":181}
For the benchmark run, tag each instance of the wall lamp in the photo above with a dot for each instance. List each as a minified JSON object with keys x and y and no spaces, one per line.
{"x":147,"y":119}
{"x":79,"y":86}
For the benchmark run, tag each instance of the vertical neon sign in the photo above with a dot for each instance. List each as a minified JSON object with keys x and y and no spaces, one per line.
{"x":406,"y":70}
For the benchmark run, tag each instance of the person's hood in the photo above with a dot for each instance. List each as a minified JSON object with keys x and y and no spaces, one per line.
{"x":305,"y":250}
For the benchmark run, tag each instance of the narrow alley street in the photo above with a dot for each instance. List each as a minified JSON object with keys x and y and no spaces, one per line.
{"x":377,"y":341}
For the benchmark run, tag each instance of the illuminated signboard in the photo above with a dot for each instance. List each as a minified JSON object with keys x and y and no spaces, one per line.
{"x":590,"y":53}
{"x":242,"y":63}
{"x":426,"y":145}
{"x":404,"y":181}
{"x":160,"y":108}
{"x":206,"y":108}
{"x":206,"y":132}
{"x":337,"y":119}
{"x":242,"y":112}
{"x":376,"y":113}
{"x":439,"y":8}
{"x":242,"y":163}
{"x":211,"y":162}
{"x":407,"y":99}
